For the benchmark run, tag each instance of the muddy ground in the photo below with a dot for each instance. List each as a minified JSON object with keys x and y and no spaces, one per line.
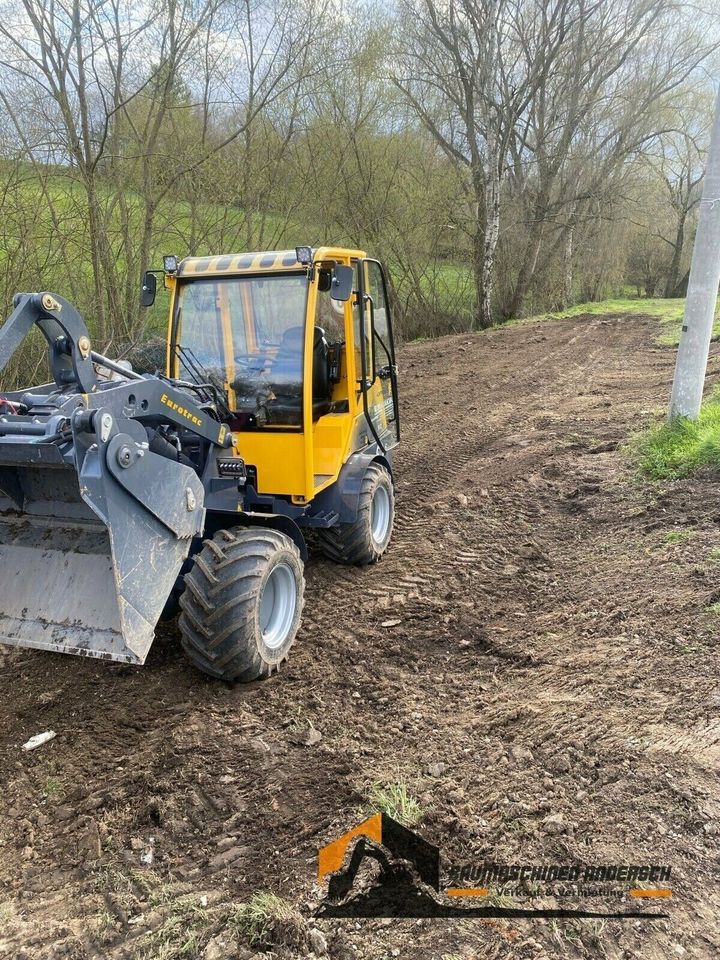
{"x":547,"y":690}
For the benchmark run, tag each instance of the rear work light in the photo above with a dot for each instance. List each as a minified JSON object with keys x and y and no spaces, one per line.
{"x":232,"y":468}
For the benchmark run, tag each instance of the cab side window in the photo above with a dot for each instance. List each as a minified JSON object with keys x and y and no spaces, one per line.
{"x":330,"y":315}
{"x":376,"y":289}
{"x":377,"y":292}
{"x":363,"y":334}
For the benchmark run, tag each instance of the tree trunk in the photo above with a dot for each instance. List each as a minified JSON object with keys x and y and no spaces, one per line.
{"x":568,"y":276}
{"x":530,"y":257}
{"x":671,"y":281}
{"x":492,"y":232}
{"x":525,"y":274}
{"x":95,"y":229}
{"x":478,"y":245}
{"x":137,"y":316}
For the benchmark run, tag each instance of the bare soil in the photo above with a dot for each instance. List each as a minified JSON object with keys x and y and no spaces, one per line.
{"x":537,"y":641}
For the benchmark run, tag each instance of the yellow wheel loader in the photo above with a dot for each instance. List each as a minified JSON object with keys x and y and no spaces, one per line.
{"x":127,"y":496}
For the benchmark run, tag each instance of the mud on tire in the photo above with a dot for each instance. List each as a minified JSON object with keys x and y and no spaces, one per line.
{"x":365,"y":540}
{"x":242,"y":603}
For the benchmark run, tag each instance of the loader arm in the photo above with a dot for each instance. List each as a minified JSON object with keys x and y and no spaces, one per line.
{"x":66,"y":334}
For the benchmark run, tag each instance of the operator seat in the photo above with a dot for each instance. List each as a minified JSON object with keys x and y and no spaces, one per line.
{"x":286,"y":376}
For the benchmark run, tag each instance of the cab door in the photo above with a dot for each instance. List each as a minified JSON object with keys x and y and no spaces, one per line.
{"x":379,"y":376}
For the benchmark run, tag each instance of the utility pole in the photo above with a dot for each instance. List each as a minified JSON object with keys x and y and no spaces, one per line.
{"x":689,"y":379}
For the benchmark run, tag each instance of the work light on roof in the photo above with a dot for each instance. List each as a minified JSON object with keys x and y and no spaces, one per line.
{"x":304,"y":255}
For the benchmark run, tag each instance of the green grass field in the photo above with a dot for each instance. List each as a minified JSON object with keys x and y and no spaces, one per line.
{"x":442,"y":300}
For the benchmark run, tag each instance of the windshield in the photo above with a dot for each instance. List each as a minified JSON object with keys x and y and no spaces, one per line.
{"x":245,"y":335}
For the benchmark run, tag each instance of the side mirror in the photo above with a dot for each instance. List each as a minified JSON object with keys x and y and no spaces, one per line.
{"x":342,"y":282}
{"x":149,"y":286}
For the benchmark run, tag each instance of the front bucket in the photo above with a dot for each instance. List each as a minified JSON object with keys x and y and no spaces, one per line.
{"x":86,"y":566}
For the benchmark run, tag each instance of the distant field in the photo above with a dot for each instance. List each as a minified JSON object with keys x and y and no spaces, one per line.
{"x":669,"y":313}
{"x":45,"y":229}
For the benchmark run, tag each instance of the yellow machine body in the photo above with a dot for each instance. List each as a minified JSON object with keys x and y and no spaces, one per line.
{"x":298,"y":461}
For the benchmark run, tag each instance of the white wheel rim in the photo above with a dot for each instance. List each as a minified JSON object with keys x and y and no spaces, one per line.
{"x":380,"y":515}
{"x":278,"y":601}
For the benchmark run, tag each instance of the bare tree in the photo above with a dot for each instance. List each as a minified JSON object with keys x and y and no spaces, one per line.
{"x":594,"y":111}
{"x":540,"y":101}
{"x":464,"y":67}
{"x":677,"y":163}
{"x":114,"y":92}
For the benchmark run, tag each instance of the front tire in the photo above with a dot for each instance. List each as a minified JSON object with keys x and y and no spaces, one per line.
{"x":242,"y":603}
{"x":367,"y":539}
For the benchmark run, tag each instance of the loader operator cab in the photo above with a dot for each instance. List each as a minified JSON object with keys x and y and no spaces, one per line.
{"x":306,"y":374}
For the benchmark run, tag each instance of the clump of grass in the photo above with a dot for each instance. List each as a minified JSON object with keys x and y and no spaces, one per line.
{"x":680,"y":447}
{"x":52,"y":787}
{"x":269,"y":920}
{"x":678,"y":536}
{"x":181,"y":935}
{"x":395,"y":800}
{"x":713,"y":608}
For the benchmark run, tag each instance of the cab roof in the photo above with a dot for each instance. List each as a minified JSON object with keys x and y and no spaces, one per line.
{"x":266,"y":261}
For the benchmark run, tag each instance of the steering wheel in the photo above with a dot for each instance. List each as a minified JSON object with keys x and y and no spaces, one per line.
{"x":250,"y":361}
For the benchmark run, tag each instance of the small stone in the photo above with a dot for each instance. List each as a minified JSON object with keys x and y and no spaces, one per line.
{"x":147,"y":857}
{"x":560,"y":763}
{"x":227,"y":857}
{"x":554,"y":824}
{"x":318,"y":943}
{"x":437,"y":769}
{"x":461,"y":499}
{"x":136,"y":843}
{"x":390,"y":623}
{"x":220,"y":949}
{"x":581,"y":795}
{"x":521,"y":753}
{"x":312,"y":737}
{"x":89,"y":844}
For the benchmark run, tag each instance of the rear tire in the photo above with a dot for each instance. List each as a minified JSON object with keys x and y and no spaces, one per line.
{"x":242,"y":603}
{"x":367,"y":539}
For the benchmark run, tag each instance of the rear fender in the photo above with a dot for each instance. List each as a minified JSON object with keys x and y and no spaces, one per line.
{"x":343,"y":497}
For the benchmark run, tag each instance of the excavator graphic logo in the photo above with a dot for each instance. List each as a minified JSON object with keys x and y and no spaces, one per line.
{"x":404,"y":871}
{"x":380,"y":868}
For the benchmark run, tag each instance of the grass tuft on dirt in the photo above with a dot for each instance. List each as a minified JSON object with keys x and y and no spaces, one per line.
{"x":268,"y":920}
{"x":679,"y":448}
{"x":394,"y":799}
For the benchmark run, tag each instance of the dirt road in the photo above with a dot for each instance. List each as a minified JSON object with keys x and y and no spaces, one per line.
{"x":547,"y":689}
